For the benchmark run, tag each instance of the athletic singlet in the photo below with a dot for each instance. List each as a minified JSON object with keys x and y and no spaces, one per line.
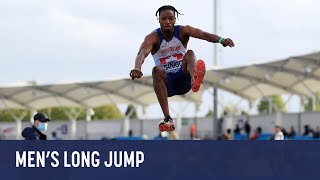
{"x":170,"y":54}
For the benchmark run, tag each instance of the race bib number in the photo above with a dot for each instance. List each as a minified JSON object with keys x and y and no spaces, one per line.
{"x":172,"y":64}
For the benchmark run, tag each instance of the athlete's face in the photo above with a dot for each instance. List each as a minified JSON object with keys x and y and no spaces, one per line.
{"x":167,"y":20}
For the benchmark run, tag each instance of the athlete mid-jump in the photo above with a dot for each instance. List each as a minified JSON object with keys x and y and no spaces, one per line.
{"x":176,"y":70}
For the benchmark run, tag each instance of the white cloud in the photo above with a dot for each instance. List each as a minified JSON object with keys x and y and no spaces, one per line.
{"x":81,"y":29}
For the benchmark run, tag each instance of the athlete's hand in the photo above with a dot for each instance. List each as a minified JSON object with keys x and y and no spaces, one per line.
{"x":227,"y":42}
{"x":136,"y":73}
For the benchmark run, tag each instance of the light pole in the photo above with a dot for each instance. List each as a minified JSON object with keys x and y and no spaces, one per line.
{"x":215,"y":63}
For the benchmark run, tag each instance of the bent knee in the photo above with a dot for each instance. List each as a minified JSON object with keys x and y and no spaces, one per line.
{"x":190,"y":53}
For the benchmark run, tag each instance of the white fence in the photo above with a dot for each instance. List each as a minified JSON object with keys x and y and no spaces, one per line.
{"x":113,"y":128}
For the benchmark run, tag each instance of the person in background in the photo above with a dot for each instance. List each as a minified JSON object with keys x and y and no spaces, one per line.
{"x":173,"y":135}
{"x":239,"y":126}
{"x":130,"y":133}
{"x":192,"y":131}
{"x":307,"y":130}
{"x":247,"y":128}
{"x":54,"y":136}
{"x":316,"y":133}
{"x":285,"y":132}
{"x":278,"y":135}
{"x":256,"y":134}
{"x":221,"y":121}
{"x":228,"y":134}
{"x":40,"y":125}
{"x":292,"y":133}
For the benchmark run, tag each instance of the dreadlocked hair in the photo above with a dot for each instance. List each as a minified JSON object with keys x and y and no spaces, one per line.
{"x":168,"y":7}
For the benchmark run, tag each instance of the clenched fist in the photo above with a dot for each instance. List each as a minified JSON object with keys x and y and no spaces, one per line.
{"x":136,"y":73}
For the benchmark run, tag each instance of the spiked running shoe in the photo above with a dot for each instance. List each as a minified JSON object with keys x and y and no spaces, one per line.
{"x":198,"y":75}
{"x":167,"y":124}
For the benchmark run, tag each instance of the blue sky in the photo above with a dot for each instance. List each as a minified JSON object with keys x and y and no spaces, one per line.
{"x":82,"y":40}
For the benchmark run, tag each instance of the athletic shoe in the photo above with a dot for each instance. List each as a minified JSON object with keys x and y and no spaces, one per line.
{"x":167,"y":124}
{"x":198,"y":75}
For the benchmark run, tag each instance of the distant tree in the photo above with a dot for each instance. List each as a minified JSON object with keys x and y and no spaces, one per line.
{"x":245,"y":113}
{"x":308,"y":106}
{"x":232,"y":109}
{"x":107,"y":112}
{"x":58,"y":113}
{"x":133,"y":113}
{"x":5,"y":115}
{"x":277,"y":101}
{"x":209,"y":113}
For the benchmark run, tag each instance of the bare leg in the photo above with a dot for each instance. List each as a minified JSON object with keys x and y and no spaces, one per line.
{"x":189,"y":62}
{"x":160,"y":88}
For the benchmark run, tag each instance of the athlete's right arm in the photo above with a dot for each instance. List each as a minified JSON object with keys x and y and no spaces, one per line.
{"x":145,"y":49}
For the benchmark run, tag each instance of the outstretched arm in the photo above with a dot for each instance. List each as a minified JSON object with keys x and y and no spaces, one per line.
{"x":145,"y":49}
{"x":198,"y":33}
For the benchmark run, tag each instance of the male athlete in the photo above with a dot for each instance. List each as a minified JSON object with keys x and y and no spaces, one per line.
{"x":176,"y":70}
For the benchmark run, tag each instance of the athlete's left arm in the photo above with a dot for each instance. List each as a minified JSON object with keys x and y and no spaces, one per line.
{"x":198,"y":33}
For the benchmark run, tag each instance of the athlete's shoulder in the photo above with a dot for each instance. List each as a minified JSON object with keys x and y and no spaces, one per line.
{"x":185,"y":28}
{"x":154,"y":33}
{"x":153,"y":36}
